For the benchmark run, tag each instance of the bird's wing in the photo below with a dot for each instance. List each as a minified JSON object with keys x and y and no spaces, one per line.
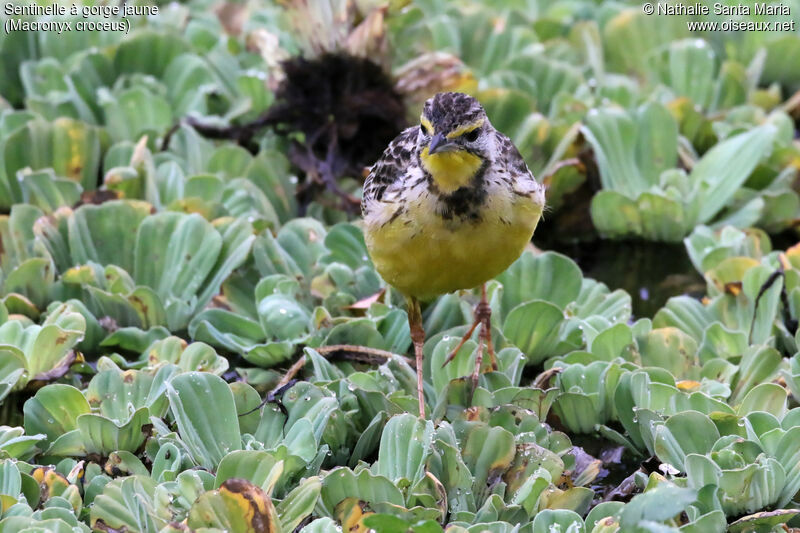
{"x":387,"y":172}
{"x":512,"y":161}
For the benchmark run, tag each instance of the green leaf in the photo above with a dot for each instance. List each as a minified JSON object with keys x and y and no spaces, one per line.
{"x":766,"y":397}
{"x":684,"y":433}
{"x":341,"y":483}
{"x":616,"y":215}
{"x":487,"y":452}
{"x":534,"y":328}
{"x":10,"y":479}
{"x":346,"y":244}
{"x":669,"y":348}
{"x":404,"y":449}
{"x":204,"y":409}
{"x":102,"y":435}
{"x":148,"y":52}
{"x":630,"y":36}
{"x":550,"y":276}
{"x":135,"y":112}
{"x":46,"y":191}
{"x":71,"y":148}
{"x":661,"y":503}
{"x":12,"y":368}
{"x":54,"y":410}
{"x":258,"y":467}
{"x":105,"y":233}
{"x":549,"y":520}
{"x":127,"y":503}
{"x":299,"y":503}
{"x":724,"y":168}
{"x":690,"y":70}
{"x":320,"y":525}
{"x":763,"y":521}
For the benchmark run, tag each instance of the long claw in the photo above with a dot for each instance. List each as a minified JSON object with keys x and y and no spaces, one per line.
{"x":483,"y":318}
{"x":464,"y":339}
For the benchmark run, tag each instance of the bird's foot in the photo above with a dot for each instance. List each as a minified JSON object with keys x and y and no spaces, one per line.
{"x":483,"y":318}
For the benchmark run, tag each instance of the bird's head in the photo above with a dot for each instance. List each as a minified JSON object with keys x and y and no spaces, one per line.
{"x":455,"y":139}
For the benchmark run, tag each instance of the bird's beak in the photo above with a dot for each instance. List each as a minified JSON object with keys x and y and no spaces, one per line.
{"x":440,"y":143}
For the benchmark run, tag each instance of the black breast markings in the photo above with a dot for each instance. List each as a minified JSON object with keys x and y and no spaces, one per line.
{"x":465,"y":202}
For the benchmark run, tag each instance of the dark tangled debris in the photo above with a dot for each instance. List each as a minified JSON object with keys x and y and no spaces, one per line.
{"x":345,"y":110}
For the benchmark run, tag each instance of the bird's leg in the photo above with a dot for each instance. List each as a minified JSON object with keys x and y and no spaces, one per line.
{"x":418,"y":338}
{"x":483,"y":318}
{"x":484,"y":313}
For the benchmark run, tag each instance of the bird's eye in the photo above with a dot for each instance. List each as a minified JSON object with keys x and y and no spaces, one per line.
{"x":422,"y":129}
{"x":471,"y":136}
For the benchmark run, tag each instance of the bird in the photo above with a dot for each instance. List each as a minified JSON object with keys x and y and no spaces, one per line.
{"x":449,"y":205}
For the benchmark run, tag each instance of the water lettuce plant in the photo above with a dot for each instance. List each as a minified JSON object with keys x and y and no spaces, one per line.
{"x":192,"y":336}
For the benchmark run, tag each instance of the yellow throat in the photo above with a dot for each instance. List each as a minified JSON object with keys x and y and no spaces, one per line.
{"x":451,"y":170}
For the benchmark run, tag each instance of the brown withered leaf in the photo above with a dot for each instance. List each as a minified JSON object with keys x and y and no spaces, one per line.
{"x":61,"y":368}
{"x":431,"y":73}
{"x":764,"y":521}
{"x":544,"y":378}
{"x":365,"y":303}
{"x":587,"y":468}
{"x":733,"y":287}
{"x":97,"y":197}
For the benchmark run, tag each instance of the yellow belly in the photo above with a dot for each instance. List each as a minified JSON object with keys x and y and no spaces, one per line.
{"x":424,"y":256}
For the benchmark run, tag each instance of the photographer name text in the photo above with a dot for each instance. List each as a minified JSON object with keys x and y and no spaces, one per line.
{"x":759,"y":8}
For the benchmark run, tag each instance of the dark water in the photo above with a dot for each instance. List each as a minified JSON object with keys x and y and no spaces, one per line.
{"x":650,"y":272}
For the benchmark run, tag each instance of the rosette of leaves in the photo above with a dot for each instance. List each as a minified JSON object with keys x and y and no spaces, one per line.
{"x":586,"y":395}
{"x":139,"y":269}
{"x":303,"y":288}
{"x":27,"y":273}
{"x":189,"y":357}
{"x":637,"y":155}
{"x":749,"y":457}
{"x":692,"y":70}
{"x":47,"y":163}
{"x":547,"y":308}
{"x":33,"y":352}
{"x":110,"y":416}
{"x":195,"y":176}
{"x":707,"y":247}
{"x":193,"y":71}
{"x":40,"y":497}
{"x":451,"y":388}
{"x":739,"y":343}
{"x":295,"y":443}
{"x":472,"y":472}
